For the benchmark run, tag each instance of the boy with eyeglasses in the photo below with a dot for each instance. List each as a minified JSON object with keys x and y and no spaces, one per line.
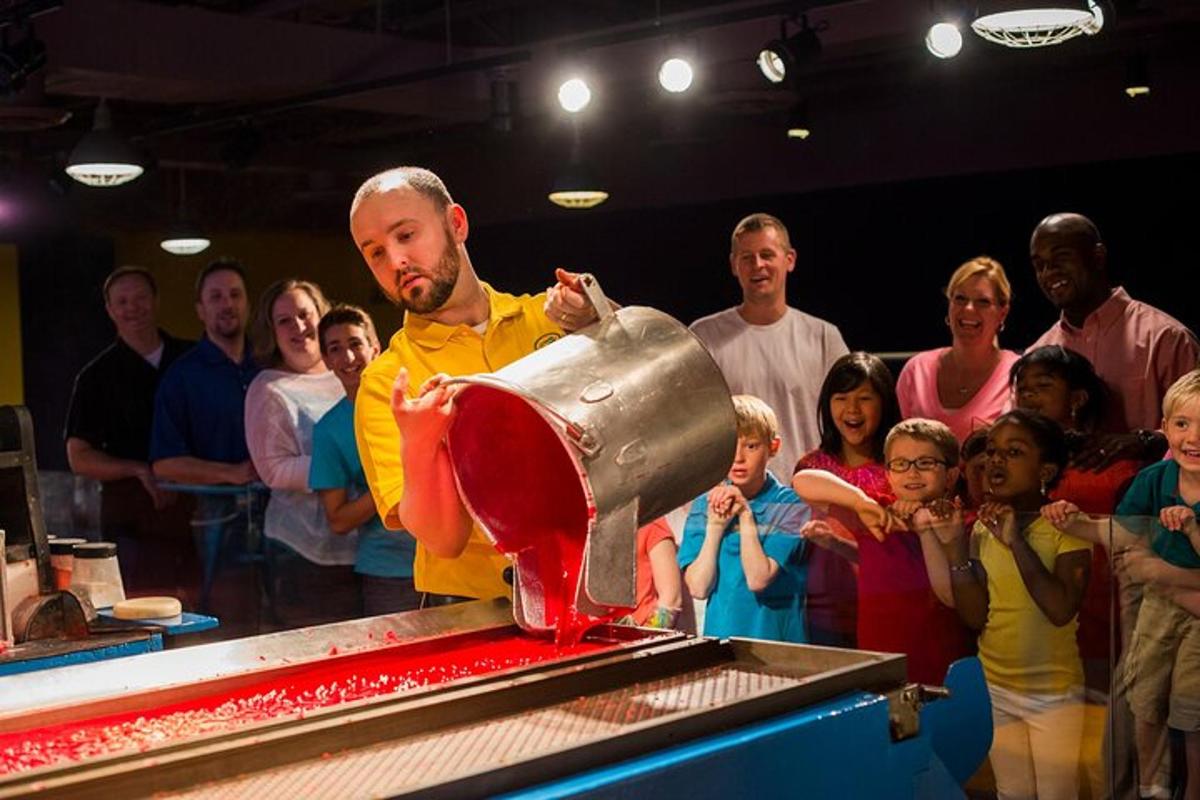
{"x":900,"y":609}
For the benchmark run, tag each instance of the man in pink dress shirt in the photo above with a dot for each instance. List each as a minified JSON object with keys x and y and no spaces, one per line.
{"x":1137,"y":350}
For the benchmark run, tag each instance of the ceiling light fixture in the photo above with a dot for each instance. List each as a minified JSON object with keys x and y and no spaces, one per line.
{"x":944,"y":40}
{"x":574,"y":95}
{"x":576,"y":186}
{"x":1137,"y":76}
{"x":184,"y":237}
{"x":676,"y":75}
{"x":799,"y":126}
{"x":1028,"y":23}
{"x":779,"y":59}
{"x":102,"y":158}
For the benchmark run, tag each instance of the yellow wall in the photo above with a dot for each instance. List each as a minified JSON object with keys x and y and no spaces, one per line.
{"x":330,"y":261}
{"x":12,"y":385}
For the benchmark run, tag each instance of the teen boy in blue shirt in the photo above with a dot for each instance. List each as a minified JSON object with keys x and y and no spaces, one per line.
{"x":384,"y":558}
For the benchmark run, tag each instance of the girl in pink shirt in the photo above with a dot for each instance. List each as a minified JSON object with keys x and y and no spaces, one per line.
{"x":857,"y":407}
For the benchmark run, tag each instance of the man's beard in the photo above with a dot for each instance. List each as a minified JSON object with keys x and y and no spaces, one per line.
{"x":227,"y":328}
{"x":442,"y":280}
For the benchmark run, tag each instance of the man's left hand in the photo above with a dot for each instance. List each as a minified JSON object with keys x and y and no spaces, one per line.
{"x":567,"y":305}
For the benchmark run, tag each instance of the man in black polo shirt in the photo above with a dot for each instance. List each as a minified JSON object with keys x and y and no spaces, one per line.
{"x":108,"y":439}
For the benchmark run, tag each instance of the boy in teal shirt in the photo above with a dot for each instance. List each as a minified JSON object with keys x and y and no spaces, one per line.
{"x":384,"y":558}
{"x":1163,"y":664}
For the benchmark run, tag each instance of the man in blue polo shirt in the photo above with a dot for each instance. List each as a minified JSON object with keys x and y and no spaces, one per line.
{"x":199,"y":433}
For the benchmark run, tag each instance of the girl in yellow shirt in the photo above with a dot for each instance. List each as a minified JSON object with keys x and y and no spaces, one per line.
{"x":1019,"y":581}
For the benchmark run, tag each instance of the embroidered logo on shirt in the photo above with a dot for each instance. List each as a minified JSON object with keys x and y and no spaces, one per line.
{"x":548,"y":338}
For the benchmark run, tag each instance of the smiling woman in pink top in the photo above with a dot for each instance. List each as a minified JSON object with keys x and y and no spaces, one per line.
{"x":964,"y":385}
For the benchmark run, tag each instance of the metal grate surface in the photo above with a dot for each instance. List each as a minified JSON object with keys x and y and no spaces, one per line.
{"x":423,"y":761}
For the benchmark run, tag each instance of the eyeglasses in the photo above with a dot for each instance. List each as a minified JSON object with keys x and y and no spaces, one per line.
{"x":923,"y":464}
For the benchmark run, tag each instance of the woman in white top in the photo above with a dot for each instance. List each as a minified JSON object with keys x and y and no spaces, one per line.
{"x":310,"y":573}
{"x":964,"y":385}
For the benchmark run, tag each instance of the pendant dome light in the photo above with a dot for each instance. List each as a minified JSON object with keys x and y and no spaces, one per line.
{"x":102,"y":158}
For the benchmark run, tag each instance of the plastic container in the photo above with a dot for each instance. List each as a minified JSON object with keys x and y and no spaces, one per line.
{"x":97,"y":577}
{"x":62,"y":560}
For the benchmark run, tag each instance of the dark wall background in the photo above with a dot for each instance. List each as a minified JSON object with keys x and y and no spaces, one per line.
{"x":872,"y":259}
{"x":62,"y":328}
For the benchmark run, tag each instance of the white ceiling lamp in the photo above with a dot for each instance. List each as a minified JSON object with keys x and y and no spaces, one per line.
{"x":675,"y":75}
{"x":102,"y":158}
{"x":576,"y":187}
{"x":574,"y":95}
{"x":184,"y":237}
{"x":1032,"y":23}
{"x":944,"y":40}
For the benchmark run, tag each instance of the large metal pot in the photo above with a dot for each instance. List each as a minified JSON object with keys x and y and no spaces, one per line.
{"x":590,"y":437}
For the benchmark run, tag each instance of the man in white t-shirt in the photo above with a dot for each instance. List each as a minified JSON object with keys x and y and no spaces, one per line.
{"x":767,"y":349}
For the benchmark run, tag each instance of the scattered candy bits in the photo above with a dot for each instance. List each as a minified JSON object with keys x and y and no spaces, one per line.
{"x":320,"y":685}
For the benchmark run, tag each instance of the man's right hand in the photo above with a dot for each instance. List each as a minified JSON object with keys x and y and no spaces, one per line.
{"x":426,"y":419}
{"x":161,"y":499}
{"x":241,"y":473}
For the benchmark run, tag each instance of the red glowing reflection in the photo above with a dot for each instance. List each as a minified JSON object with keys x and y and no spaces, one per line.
{"x":303,"y":689}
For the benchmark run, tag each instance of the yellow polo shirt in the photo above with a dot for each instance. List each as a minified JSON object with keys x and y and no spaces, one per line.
{"x":516,"y":327}
{"x":1021,"y":649}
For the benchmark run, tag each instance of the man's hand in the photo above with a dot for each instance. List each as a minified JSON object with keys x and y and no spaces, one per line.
{"x":566,"y":303}
{"x":424,"y":420}
{"x":160,"y":498}
{"x":1060,"y":513}
{"x":241,"y":473}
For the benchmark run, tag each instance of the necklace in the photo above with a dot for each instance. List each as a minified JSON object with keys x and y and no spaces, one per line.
{"x":960,"y":382}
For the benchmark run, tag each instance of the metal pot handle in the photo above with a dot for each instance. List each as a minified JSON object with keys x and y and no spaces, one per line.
{"x":591,"y":287}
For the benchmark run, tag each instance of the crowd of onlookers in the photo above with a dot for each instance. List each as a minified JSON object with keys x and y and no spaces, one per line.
{"x":983,"y":501}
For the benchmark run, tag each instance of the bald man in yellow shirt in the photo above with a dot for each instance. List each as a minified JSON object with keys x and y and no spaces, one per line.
{"x":413,"y":237}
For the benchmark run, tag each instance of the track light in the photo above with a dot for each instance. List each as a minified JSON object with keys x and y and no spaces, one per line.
{"x":676,"y":75}
{"x":944,"y":40}
{"x":574,"y":95}
{"x":798,"y":126}
{"x":102,"y":158}
{"x":1137,"y":76}
{"x":779,"y":59}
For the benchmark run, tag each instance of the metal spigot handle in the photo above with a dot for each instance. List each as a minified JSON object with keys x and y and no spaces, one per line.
{"x":591,"y":287}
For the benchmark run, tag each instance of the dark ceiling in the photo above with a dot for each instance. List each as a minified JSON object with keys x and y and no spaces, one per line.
{"x":275,"y":109}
